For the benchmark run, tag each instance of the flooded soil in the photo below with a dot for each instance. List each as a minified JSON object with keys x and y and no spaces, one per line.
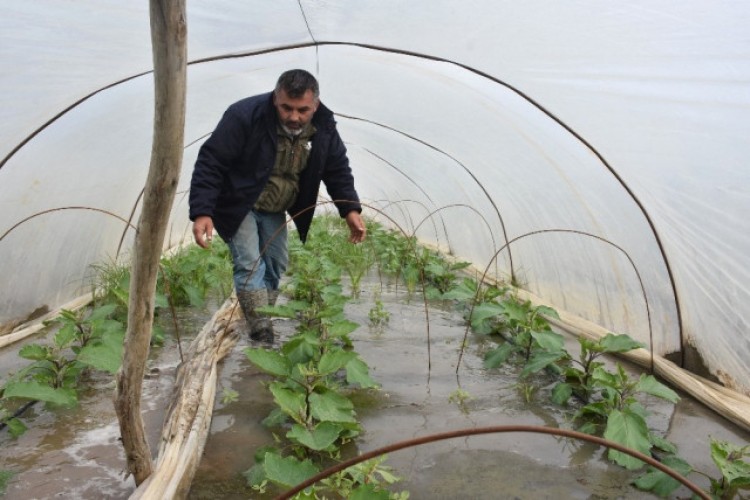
{"x":76,"y":453}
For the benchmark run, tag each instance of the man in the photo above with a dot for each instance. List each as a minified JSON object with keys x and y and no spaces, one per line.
{"x":267,"y":156}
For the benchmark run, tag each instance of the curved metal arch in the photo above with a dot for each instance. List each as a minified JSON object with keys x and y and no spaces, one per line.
{"x":316,"y":44}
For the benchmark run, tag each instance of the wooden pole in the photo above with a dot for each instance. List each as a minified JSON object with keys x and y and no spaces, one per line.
{"x":169,"y":42}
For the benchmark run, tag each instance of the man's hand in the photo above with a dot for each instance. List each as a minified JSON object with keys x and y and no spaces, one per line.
{"x":203,"y":230}
{"x":357,"y":229}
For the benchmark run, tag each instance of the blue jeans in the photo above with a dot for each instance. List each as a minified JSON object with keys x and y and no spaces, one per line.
{"x":259,"y":233}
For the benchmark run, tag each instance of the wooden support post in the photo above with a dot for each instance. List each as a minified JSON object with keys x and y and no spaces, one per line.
{"x":169,"y":42}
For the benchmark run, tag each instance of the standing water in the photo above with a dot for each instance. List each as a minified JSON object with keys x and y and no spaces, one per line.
{"x":76,"y":453}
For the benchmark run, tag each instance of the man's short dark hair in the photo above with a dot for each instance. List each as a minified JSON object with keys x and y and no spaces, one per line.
{"x":296,"y":82}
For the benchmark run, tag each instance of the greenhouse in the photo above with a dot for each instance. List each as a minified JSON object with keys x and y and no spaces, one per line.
{"x":552,"y":300}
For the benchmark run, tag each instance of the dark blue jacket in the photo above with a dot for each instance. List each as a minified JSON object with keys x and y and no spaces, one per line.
{"x":234,"y":165}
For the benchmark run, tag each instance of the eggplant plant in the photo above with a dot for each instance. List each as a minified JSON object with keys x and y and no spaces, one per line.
{"x":313,"y":374}
{"x":610,"y":406}
{"x":81,"y":342}
{"x":528,"y":336}
{"x":734,"y":469}
{"x":579,"y":376}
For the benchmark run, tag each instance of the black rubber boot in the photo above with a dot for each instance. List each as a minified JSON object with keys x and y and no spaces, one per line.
{"x":260,"y":328}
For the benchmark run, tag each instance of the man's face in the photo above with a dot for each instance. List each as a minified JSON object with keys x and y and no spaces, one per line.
{"x":295,"y":113}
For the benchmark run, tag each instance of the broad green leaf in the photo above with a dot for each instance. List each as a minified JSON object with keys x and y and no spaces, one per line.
{"x":588,"y":346}
{"x":369,"y":492}
{"x":34,"y":352}
{"x":276,"y":418}
{"x":630,"y":430}
{"x":650,"y":385}
{"x":618,"y":343}
{"x":287,"y":471}
{"x":727,"y":458}
{"x":101,"y":312}
{"x":597,"y":408}
{"x":486,"y":310}
{"x":342,"y":327}
{"x":260,"y":454}
{"x":357,"y":372}
{"x":589,"y":428}
{"x":255,"y":475}
{"x":637,"y":408}
{"x":498,"y":356}
{"x":603,"y":377}
{"x":110,"y":325}
{"x":660,"y":483}
{"x":195,"y":295}
{"x":65,"y":336}
{"x":663,"y":444}
{"x":320,"y":438}
{"x":333,"y":361}
{"x":16,"y":428}
{"x":269,"y":361}
{"x":105,"y":355}
{"x":464,"y":291}
{"x":332,"y":407}
{"x":548,"y":311}
{"x":561,"y":393}
{"x":68,"y":316}
{"x":516,"y":311}
{"x":482,"y":327}
{"x":540,"y":361}
{"x":292,"y":403}
{"x":549,"y":341}
{"x":301,"y":348}
{"x":36,"y":391}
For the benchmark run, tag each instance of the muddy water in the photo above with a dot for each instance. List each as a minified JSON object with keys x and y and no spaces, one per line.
{"x":76,"y":453}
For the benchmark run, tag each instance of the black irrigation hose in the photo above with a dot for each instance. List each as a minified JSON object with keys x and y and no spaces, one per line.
{"x":18,"y":412}
{"x":494,"y":430}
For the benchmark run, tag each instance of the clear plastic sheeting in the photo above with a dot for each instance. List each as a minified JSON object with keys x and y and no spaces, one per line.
{"x":597,"y":152}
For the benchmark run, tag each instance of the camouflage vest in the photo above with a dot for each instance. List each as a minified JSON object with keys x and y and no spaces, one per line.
{"x":291,"y":159}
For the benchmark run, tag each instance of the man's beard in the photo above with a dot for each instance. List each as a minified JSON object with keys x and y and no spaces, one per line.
{"x":292,"y":131}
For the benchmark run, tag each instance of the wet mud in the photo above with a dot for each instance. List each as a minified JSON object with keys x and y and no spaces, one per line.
{"x":76,"y":453}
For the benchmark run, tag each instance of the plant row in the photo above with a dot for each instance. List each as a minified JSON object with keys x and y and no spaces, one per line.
{"x":603,"y":399}
{"x":88,"y":342}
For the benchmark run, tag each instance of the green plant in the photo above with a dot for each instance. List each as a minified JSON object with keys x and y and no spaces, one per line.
{"x":579,"y":377}
{"x":84,"y":340}
{"x":609,"y":398}
{"x":460,"y":397}
{"x":314,"y":373}
{"x":391,"y":249}
{"x":528,"y":335}
{"x":93,"y":336}
{"x":112,"y":286}
{"x":619,"y":413}
{"x":5,"y":477}
{"x":527,"y":391}
{"x":189,"y":275}
{"x":8,"y":419}
{"x":229,"y":396}
{"x":473,"y":292}
{"x":735,"y":472}
{"x":355,"y":260}
{"x":378,"y":314}
{"x":364,"y":481}
{"x":440,"y":275}
{"x":307,"y":385}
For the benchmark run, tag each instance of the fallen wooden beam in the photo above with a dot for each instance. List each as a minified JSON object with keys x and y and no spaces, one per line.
{"x":188,"y":417}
